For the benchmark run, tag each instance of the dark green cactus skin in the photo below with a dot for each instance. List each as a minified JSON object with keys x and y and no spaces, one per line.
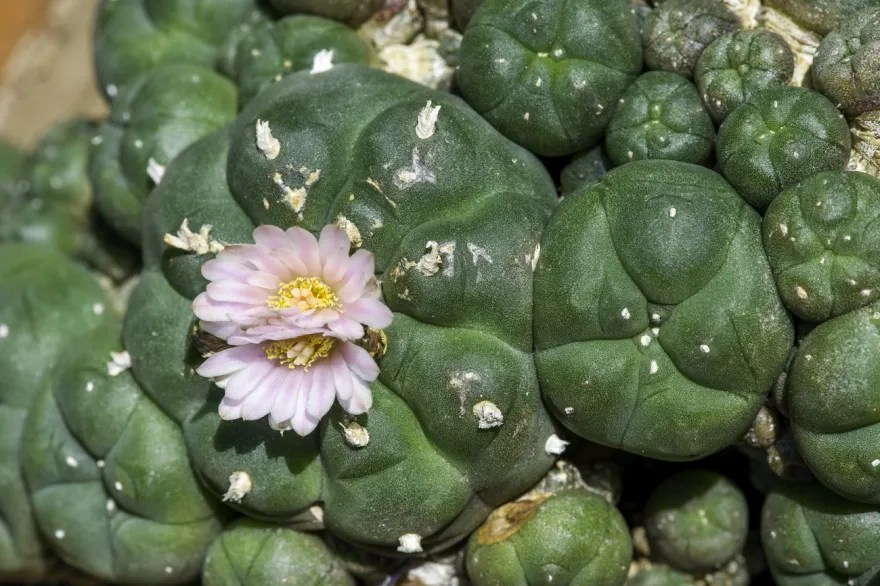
{"x":666,"y":245}
{"x":570,"y":538}
{"x":820,"y":16}
{"x":847,"y":63}
{"x":737,"y":66}
{"x":677,"y":31}
{"x":427,"y":468}
{"x":154,"y":116}
{"x":107,"y":474}
{"x":135,"y":36}
{"x":547,"y":74}
{"x":48,"y":305}
{"x":251,"y":553}
{"x":58,"y":206}
{"x":660,"y":575}
{"x":697,"y":520}
{"x":784,"y":135}
{"x":660,"y":116}
{"x":823,"y":244}
{"x":274,"y":50}
{"x":463,"y":10}
{"x":353,"y":12}
{"x":585,"y":169}
{"x":13,"y":167}
{"x":813,"y":537}
{"x":832,"y":398}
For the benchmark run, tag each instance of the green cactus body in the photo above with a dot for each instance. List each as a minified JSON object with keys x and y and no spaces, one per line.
{"x":847,"y":63}
{"x":107,"y":474}
{"x":371,"y":161}
{"x":353,"y":12}
{"x":153,"y":118}
{"x":252,"y":553}
{"x":822,"y":244}
{"x":547,"y":74}
{"x":821,"y":16}
{"x":677,"y":31}
{"x":657,"y":324}
{"x":135,"y":36}
{"x":463,"y":10}
{"x":813,"y":537}
{"x":46,"y":302}
{"x":737,"y":66}
{"x":585,"y":169}
{"x":832,"y":398}
{"x":660,"y":116}
{"x":572,"y":538}
{"x":13,"y":166}
{"x":58,"y":207}
{"x":697,"y":521}
{"x":784,"y":135}
{"x":274,"y":50}
{"x":660,"y":575}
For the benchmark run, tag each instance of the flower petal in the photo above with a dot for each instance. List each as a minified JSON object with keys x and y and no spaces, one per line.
{"x":259,"y":402}
{"x":361,"y":398}
{"x":322,"y":391}
{"x":229,"y":361}
{"x":360,"y":362}
{"x":371,"y":312}
{"x":306,"y":247}
{"x":229,"y":409}
{"x":241,"y":384}
{"x":270,"y":236}
{"x":333,"y":240}
{"x":290,"y":387}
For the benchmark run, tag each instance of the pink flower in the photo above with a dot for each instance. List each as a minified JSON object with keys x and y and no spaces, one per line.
{"x":294,"y":382}
{"x":290,"y":307}
{"x":289,"y":284}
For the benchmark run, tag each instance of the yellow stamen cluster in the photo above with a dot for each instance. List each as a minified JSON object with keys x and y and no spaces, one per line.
{"x":303,"y":351}
{"x":305,"y":293}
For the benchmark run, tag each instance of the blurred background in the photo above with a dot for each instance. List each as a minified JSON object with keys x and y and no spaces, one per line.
{"x":46,"y":72}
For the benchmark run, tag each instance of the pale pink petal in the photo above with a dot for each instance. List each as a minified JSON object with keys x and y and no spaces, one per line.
{"x":229,"y":409}
{"x":361,"y":398}
{"x":241,"y":384}
{"x":301,"y":422}
{"x":333,"y":240}
{"x":306,"y":247}
{"x":371,"y":312}
{"x":263,"y":280}
{"x":235,"y":293}
{"x":322,"y":392}
{"x":360,"y":269}
{"x":270,"y":236}
{"x":345,"y":328}
{"x":222,"y":329}
{"x":223,"y":268}
{"x":341,"y":376}
{"x":360,"y":362}
{"x":285,"y":402}
{"x":231,"y":360}
{"x":259,"y":402}
{"x":291,"y":261}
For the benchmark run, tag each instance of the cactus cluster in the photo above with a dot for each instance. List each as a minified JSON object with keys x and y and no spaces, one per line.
{"x":468,"y":292}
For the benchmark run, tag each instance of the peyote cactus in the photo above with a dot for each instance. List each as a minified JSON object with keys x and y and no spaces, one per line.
{"x":737,"y":66}
{"x":273,"y":50}
{"x":251,"y":552}
{"x":660,"y":116}
{"x":403,"y":171}
{"x":812,"y":536}
{"x":569,"y":537}
{"x":697,"y":521}
{"x":547,"y":74}
{"x":832,"y":399}
{"x":677,"y":31}
{"x":822,"y":245}
{"x":781,"y":137}
{"x":353,"y":12}
{"x":847,"y":64}
{"x":134,"y":36}
{"x":45,"y":302}
{"x":57,"y":206}
{"x":640,"y":337}
{"x":154,"y":117}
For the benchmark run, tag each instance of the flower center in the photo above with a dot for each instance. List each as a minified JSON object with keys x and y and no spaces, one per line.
{"x":305,"y":293}
{"x":303,"y":351}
